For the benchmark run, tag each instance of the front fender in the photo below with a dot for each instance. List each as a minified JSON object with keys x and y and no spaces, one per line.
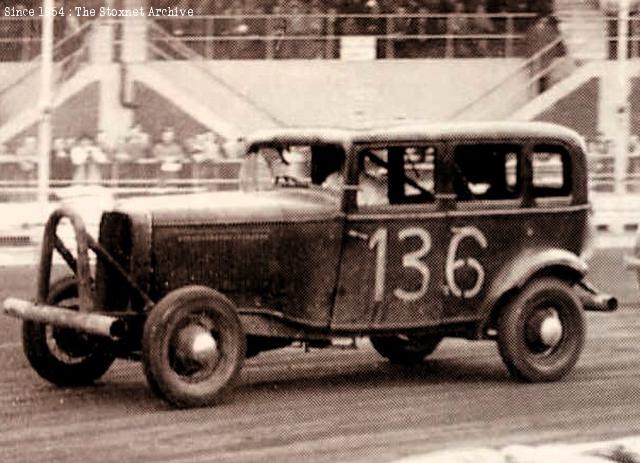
{"x":526,"y":265}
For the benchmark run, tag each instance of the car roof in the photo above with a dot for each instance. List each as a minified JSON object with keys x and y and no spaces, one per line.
{"x":412,"y":132}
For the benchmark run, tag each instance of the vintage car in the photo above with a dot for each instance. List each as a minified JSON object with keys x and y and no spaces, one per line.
{"x":405,"y":235}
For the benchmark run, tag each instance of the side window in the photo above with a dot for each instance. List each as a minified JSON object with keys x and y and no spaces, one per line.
{"x":373,"y":178}
{"x":418,"y":175}
{"x":397,"y":175}
{"x":486,"y":172}
{"x":551,"y":171}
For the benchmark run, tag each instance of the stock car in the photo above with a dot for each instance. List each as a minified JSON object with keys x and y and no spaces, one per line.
{"x":405,"y":235}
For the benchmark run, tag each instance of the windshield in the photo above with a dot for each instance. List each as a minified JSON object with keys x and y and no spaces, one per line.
{"x":269,"y":167}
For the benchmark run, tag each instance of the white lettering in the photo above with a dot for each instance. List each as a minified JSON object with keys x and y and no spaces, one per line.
{"x":412,"y":260}
{"x":454,"y":264}
{"x":379,"y":240}
{"x":19,"y":12}
{"x":84,"y":11}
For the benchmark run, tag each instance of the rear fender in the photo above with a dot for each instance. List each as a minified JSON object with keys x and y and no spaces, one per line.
{"x":521,"y":269}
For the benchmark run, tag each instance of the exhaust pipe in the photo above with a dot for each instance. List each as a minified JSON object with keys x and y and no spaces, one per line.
{"x":599,"y":302}
{"x":594,"y":300}
{"x":90,"y":323}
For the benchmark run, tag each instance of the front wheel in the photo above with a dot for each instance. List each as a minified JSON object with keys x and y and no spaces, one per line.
{"x":405,"y":349}
{"x":541,"y":332}
{"x":64,"y":356}
{"x":193,"y":346}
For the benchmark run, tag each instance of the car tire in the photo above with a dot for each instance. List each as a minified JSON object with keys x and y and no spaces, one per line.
{"x":63,"y":356}
{"x":193,"y":347}
{"x":531,"y":350}
{"x":405,"y":350}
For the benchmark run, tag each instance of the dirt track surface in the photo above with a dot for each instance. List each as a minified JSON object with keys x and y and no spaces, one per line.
{"x":330,"y":405}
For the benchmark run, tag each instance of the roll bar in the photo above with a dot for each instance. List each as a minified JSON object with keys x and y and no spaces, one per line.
{"x":80,"y":265}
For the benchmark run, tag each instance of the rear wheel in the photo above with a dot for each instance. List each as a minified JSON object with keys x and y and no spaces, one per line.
{"x":61,"y":355}
{"x":541,"y":332}
{"x":405,"y":349}
{"x":193,"y":347}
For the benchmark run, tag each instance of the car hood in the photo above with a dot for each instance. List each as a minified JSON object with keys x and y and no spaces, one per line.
{"x":283,"y":205}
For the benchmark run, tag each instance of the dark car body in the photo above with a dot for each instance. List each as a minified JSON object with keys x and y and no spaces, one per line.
{"x":290,"y":255}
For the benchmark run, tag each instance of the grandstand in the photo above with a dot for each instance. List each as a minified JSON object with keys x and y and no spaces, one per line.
{"x":121,"y":83}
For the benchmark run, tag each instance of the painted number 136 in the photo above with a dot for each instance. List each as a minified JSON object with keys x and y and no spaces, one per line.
{"x":413,"y":260}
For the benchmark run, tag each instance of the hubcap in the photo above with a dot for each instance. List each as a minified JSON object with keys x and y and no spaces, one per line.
{"x":195,"y":343}
{"x":544,"y":330}
{"x":195,"y":350}
{"x":551,"y":330}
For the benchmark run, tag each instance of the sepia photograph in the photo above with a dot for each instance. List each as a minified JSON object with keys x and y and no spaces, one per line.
{"x":399,"y":231}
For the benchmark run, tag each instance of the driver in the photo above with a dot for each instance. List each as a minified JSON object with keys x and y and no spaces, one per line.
{"x":260,"y":168}
{"x":371,"y":190}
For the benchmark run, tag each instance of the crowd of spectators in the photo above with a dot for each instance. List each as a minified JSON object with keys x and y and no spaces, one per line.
{"x":405,"y":28}
{"x":94,"y":159}
{"x":256,"y":29}
{"x":218,"y":7}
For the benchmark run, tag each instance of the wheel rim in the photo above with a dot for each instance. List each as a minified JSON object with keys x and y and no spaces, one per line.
{"x":544,"y":330}
{"x":65,"y":344}
{"x":195,"y":348}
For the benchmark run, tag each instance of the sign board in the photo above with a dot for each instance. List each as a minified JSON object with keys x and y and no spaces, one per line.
{"x":357,"y":48}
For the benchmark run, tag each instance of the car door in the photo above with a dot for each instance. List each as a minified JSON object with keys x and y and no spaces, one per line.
{"x":487,"y":223}
{"x":391,"y":270}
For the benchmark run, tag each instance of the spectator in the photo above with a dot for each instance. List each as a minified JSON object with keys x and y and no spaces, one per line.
{"x":206,"y":154}
{"x":480,"y":24}
{"x":61,"y":168}
{"x":235,"y":26}
{"x":170,"y":155}
{"x":539,"y":38}
{"x":297,"y":23}
{"x":349,"y":26}
{"x":105,"y":144}
{"x":277,"y":26}
{"x":401,"y":25}
{"x":257,"y":25}
{"x":136,"y":144}
{"x":87,"y":159}
{"x":373,"y":25}
{"x":316,"y":29}
{"x":459,"y":25}
{"x":27,"y":157}
{"x":424,"y":26}
{"x":8,"y":167}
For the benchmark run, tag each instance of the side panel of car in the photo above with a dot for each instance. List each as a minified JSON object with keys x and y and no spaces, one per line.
{"x":392,"y":269}
{"x":289,"y":268}
{"x":537,"y":208}
{"x":484,"y":245}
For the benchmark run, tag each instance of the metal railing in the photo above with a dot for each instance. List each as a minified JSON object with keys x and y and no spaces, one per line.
{"x":633,"y":36}
{"x":271,"y":36}
{"x":144,"y":177}
{"x":601,"y":159}
{"x":534,"y":74}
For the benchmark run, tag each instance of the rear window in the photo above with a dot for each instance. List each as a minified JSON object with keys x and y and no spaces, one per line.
{"x":551,"y":173}
{"x":486,"y":172}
